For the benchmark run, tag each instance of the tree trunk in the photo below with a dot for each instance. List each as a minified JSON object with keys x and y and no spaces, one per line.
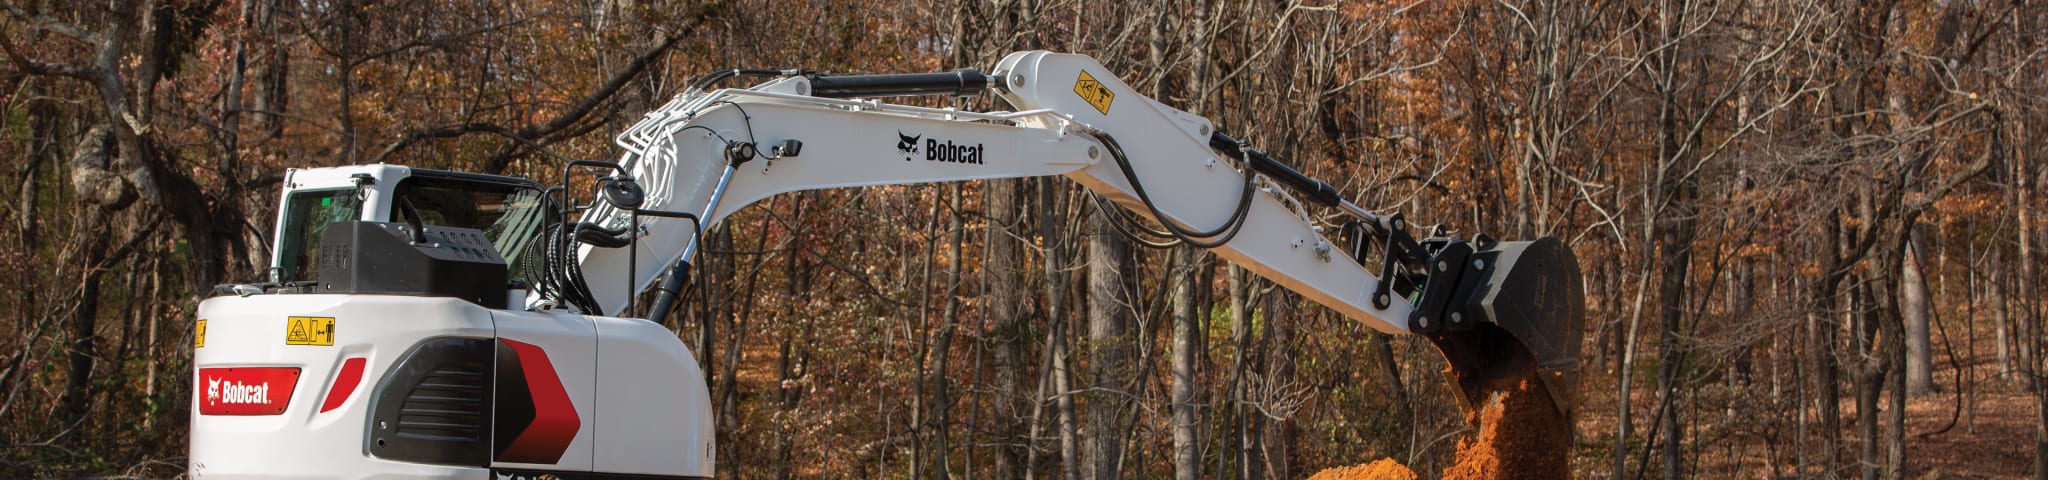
{"x":920,"y":403}
{"x":727,"y":316}
{"x":2001,"y":312}
{"x":95,"y":155}
{"x":1109,"y":347}
{"x":940,"y":379}
{"x":43,"y":147}
{"x":1275,"y":413}
{"x":1675,"y":230}
{"x":1246,"y":440}
{"x":1671,"y":358}
{"x":1006,"y":238}
{"x":2040,"y":431}
{"x":1061,"y":367}
{"x":1187,"y":340}
{"x":271,"y":93}
{"x":787,"y":396}
{"x":1382,"y":346}
{"x":1828,"y":303}
{"x":1869,"y":364}
{"x":1063,"y":384}
{"x":1866,"y":421}
{"x":1915,"y":307}
{"x":1624,"y":374}
{"x":2028,"y":304}
{"x":83,"y":346}
{"x":1742,"y":302}
{"x":1006,"y":312}
{"x":1893,"y":349}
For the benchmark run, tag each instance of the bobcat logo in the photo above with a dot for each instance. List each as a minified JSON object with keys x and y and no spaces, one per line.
{"x":907,"y":144}
{"x":212,"y":390}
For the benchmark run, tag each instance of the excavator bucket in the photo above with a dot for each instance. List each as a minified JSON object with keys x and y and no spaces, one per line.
{"x":1502,"y":312}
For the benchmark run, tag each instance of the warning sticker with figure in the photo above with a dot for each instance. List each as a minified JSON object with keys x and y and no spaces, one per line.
{"x":1094,"y":92}
{"x":199,"y":335}
{"x":309,"y":331}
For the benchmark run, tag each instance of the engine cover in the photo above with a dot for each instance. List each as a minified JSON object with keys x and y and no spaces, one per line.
{"x":439,"y":388}
{"x":381,"y":258}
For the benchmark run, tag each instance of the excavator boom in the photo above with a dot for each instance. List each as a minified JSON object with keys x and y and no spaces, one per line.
{"x":1501,"y":303}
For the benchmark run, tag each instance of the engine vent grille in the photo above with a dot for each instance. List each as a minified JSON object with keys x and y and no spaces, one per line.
{"x":434,"y":406}
{"x":447,"y":405}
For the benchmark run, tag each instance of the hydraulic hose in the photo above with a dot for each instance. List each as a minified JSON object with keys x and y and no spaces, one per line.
{"x":1205,"y":238}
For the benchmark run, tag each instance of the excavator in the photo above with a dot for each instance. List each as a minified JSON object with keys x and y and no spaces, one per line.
{"x":419,"y":323}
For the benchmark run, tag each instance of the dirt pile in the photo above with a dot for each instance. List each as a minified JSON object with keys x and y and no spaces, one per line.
{"x":1384,"y":469}
{"x":1521,"y":436}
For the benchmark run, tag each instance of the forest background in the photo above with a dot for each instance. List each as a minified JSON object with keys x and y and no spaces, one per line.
{"x":1810,"y":230}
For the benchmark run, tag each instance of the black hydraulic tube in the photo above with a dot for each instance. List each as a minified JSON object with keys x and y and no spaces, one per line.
{"x":666,"y":294}
{"x":678,"y":274}
{"x":1316,"y":190}
{"x":962,"y":82}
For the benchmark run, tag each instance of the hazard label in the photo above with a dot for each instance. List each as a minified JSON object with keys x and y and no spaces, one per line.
{"x":1094,"y":92}
{"x":199,"y":335}
{"x":309,"y":331}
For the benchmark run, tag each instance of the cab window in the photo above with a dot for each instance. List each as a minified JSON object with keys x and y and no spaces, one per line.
{"x":509,"y":214}
{"x":307,"y":214}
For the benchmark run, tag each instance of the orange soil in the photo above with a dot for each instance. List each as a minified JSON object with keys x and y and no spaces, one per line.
{"x":1521,"y":435}
{"x":1384,"y":469}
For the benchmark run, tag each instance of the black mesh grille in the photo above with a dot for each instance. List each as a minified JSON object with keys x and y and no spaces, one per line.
{"x":447,"y":405}
{"x":433,"y":406}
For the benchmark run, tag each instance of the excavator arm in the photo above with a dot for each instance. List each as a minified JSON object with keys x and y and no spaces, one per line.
{"x":1494,"y":308}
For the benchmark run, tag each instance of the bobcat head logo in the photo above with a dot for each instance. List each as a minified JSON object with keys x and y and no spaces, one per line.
{"x":212,"y":390}
{"x":906,"y":144}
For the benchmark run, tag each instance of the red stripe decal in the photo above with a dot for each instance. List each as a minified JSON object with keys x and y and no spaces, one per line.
{"x":344,"y":384}
{"x":554,"y":417}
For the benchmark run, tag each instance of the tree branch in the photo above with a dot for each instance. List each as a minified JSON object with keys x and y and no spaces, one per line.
{"x":432,"y":41}
{"x":1978,"y":166}
{"x":605,"y":92}
{"x":450,"y":131}
{"x":32,"y":67}
{"x":531,"y":132}
{"x":52,"y":24}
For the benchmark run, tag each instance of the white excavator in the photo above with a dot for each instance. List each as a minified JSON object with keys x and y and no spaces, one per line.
{"x":432,"y":324}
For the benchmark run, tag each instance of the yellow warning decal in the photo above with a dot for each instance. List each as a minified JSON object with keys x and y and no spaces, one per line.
{"x":309,"y":331}
{"x":199,"y":335}
{"x":1094,"y":92}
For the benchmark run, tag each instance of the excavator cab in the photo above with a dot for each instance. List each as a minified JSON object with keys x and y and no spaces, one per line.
{"x":508,"y":211}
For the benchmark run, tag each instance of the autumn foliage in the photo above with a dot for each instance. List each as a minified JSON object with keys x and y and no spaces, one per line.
{"x":1810,"y":231}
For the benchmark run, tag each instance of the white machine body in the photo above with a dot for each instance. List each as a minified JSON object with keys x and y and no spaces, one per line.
{"x":291,"y":385}
{"x":395,"y":338}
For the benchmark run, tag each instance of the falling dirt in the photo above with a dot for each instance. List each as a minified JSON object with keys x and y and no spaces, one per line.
{"x":1521,"y":436}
